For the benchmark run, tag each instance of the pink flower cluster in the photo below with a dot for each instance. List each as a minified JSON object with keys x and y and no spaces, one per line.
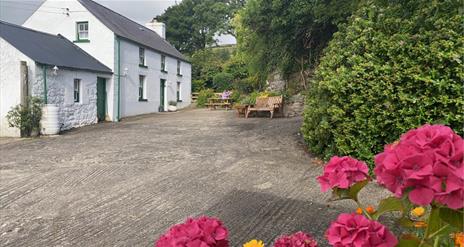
{"x":200,"y":232}
{"x":357,"y":231}
{"x":342,"y":172}
{"x":429,"y":162}
{"x":299,"y":239}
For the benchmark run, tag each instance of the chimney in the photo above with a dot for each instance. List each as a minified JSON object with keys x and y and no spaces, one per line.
{"x":158,"y":27}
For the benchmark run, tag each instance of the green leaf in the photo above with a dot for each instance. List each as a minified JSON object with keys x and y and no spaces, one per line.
{"x":452,"y":217}
{"x":354,"y":190}
{"x":434,"y":222}
{"x":406,"y":222}
{"x":389,"y":204}
{"x":408,"y":240}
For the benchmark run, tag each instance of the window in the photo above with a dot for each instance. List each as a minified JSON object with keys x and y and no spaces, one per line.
{"x":142,"y":57}
{"x":163,"y":63}
{"x":77,"y":90}
{"x":82,"y":31}
{"x":178,"y":92}
{"x":178,"y":67}
{"x":142,"y":89}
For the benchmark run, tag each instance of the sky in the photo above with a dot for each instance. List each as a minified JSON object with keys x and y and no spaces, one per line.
{"x":141,"y":11}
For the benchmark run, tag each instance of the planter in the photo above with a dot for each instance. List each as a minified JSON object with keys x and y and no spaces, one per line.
{"x":172,"y":108}
{"x":50,"y":123}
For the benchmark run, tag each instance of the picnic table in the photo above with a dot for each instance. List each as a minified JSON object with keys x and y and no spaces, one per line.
{"x":215,"y":102}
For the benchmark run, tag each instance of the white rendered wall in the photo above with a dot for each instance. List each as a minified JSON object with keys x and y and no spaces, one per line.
{"x":10,"y":83}
{"x":130,"y":104}
{"x":101,"y":45}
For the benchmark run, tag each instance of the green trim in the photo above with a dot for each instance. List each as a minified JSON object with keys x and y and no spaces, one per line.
{"x":118,"y":41}
{"x":44,"y":70}
{"x":79,"y":40}
{"x":143,"y":66}
{"x":82,"y":41}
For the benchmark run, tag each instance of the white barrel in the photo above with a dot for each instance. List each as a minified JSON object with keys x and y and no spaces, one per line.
{"x":50,"y":123}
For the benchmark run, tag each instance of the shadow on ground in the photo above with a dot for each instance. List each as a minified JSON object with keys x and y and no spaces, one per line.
{"x":256,"y":215}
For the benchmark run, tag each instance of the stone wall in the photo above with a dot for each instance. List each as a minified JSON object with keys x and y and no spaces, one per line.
{"x":61,"y":93}
{"x":293,"y":106}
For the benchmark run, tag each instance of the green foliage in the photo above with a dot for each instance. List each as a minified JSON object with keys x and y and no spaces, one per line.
{"x":395,"y":66}
{"x":287,"y":35}
{"x":235,"y":96}
{"x":26,"y":117}
{"x":193,"y":24}
{"x":198,"y":85}
{"x":206,"y":64}
{"x":203,"y":97}
{"x":222,"y":81}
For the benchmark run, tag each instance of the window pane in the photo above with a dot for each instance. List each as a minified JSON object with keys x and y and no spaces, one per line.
{"x":77,"y":89}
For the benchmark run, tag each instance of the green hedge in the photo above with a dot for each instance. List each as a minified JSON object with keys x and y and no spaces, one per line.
{"x":393,"y":67}
{"x":203,"y":97}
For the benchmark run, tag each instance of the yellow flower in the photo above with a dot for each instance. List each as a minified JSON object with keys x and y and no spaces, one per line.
{"x":420,"y":224}
{"x":418,"y":212}
{"x":459,"y":239}
{"x":254,"y":243}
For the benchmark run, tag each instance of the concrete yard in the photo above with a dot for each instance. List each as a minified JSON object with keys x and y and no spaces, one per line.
{"x":124,"y":184}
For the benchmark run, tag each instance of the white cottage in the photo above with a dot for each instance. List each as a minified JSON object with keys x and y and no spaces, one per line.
{"x":39,"y":64}
{"x":148,"y":71}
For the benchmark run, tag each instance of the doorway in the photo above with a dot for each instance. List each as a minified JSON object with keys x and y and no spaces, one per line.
{"x":162,"y":95}
{"x":101,"y":99}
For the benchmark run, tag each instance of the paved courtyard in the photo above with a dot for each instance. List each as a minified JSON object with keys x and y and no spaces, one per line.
{"x":124,"y":184}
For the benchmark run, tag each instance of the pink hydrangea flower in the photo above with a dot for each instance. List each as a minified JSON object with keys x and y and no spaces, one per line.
{"x":299,"y":239}
{"x":342,"y":172}
{"x":200,"y":232}
{"x":429,"y":162}
{"x":357,"y":231}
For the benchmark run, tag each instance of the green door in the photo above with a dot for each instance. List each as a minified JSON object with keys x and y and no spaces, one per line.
{"x":162,"y":86}
{"x":101,"y":98}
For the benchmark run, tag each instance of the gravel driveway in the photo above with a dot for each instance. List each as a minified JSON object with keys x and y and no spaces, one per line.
{"x":124,"y":184}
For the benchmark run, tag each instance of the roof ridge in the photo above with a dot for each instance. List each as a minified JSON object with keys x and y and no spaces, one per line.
{"x":27,"y":29}
{"x":82,"y":50}
{"x":145,"y":28}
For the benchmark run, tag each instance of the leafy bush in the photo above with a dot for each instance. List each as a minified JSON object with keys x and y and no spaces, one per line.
{"x":198,"y":85}
{"x":235,"y":97}
{"x":395,"y":66}
{"x":26,"y":117}
{"x":223,"y":81}
{"x":203,"y":97}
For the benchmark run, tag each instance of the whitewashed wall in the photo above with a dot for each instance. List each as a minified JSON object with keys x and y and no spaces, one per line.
{"x":101,"y":45}
{"x":61,"y":93}
{"x":130,"y":104}
{"x":10,"y":83}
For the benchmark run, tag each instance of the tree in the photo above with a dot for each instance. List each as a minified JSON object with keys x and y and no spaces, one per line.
{"x":288,"y":35}
{"x":193,"y":24}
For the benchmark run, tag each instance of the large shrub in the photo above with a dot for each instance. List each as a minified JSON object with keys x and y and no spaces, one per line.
{"x":396,"y":65}
{"x":203,"y":97}
{"x":223,"y":81}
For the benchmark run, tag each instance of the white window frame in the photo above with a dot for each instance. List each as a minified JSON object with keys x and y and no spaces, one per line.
{"x":179,"y":67}
{"x":77,"y":95}
{"x":164,"y":66}
{"x":80,"y":32}
{"x":142,"y":57}
{"x":142,"y":86}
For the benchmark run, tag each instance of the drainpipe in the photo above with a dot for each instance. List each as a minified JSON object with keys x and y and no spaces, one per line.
{"x":118,"y":41}
{"x":44,"y":70}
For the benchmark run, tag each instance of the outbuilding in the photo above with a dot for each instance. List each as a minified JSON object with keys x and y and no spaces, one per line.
{"x":34,"y":63}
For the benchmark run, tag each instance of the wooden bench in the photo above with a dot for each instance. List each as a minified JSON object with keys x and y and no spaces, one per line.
{"x":270,"y":104}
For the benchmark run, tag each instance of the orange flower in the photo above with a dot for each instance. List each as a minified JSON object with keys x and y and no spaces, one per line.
{"x":420,"y":224}
{"x":370,"y":209}
{"x":359,"y":211}
{"x":459,"y":239}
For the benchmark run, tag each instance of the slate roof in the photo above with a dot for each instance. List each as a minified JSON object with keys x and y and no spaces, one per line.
{"x":49,"y":49}
{"x":126,"y":28}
